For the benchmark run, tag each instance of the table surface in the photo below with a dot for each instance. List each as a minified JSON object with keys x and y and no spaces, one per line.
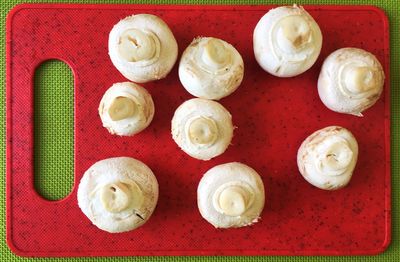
{"x":63,"y":77}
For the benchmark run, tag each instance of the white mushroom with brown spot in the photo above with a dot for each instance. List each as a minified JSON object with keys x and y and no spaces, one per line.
{"x":351,"y":80}
{"x":231,"y":195}
{"x":287,"y":41}
{"x":142,"y":48}
{"x":327,"y":158}
{"x":118,"y":194}
{"x":202,"y":128}
{"x":211,"y":68}
{"x":126,"y":109}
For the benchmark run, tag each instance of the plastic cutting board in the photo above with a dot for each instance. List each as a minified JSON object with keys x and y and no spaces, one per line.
{"x":273,"y":116}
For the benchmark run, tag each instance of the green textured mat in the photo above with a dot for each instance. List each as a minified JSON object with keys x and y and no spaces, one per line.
{"x":54,"y":121}
{"x":54,"y":80}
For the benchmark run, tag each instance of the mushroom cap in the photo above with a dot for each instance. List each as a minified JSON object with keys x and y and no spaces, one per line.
{"x":212,"y":186}
{"x":142,"y":48}
{"x":351,"y":80}
{"x":140,"y":104}
{"x":118,"y":194}
{"x":202,"y":128}
{"x":327,"y":158}
{"x":287,"y":41}
{"x":211,"y":68}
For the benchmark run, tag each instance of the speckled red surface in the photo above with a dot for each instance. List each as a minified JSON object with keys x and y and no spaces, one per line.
{"x":273,"y":117}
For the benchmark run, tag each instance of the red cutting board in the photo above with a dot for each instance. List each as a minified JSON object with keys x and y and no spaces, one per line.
{"x":273,"y":116}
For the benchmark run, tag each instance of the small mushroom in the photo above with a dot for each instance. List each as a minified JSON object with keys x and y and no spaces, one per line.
{"x":118,"y":194}
{"x":202,"y":128}
{"x":142,"y":48}
{"x":231,"y":195}
{"x":211,"y":68}
{"x":287,"y":41}
{"x":126,"y":109}
{"x":351,"y":80}
{"x":327,"y":158}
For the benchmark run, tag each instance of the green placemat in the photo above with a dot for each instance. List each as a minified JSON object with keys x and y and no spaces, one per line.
{"x":57,"y":136}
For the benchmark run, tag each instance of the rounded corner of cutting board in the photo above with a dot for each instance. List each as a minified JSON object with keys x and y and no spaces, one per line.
{"x":15,"y":249}
{"x":15,"y":9}
{"x":385,"y":244}
{"x":381,"y":12}
{"x":379,"y":250}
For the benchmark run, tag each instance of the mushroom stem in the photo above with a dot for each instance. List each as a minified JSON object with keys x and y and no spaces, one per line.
{"x":215,"y":54}
{"x":119,"y":196}
{"x":202,"y":130}
{"x":121,"y":108}
{"x":233,"y":201}
{"x":135,"y":45}
{"x":335,"y":158}
{"x":295,"y":31}
{"x":360,"y":79}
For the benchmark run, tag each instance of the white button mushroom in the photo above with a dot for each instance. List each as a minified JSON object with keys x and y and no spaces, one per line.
{"x":231,"y":195}
{"x":118,"y":194}
{"x":287,"y":41}
{"x":126,"y":109}
{"x":351,"y":80}
{"x":327,"y":158}
{"x":202,"y":128}
{"x":142,"y":48}
{"x":211,"y":68}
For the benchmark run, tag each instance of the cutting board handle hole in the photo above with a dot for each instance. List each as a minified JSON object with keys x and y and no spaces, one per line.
{"x":53,"y":130}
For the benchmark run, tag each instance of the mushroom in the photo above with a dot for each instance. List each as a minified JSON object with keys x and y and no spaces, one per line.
{"x":202,"y":128}
{"x":211,"y":68}
{"x":118,"y":194}
{"x":126,"y":109}
{"x":231,"y":195}
{"x":327,"y":158}
{"x":351,"y":80}
{"x":287,"y":41}
{"x":142,"y":48}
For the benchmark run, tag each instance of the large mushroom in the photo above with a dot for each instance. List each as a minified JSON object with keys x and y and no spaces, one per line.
{"x":231,"y":195}
{"x":351,"y":80}
{"x":211,"y":68}
{"x":327,"y":158}
{"x":202,"y":128}
{"x":118,"y":194}
{"x":142,"y":48}
{"x":287,"y":41}
{"x":126,"y":109}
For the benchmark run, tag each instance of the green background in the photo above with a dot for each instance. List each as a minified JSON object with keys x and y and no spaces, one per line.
{"x":54,"y":80}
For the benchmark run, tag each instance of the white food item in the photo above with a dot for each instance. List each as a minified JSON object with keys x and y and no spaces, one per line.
{"x":142,"y":48}
{"x":202,"y":128}
{"x":327,"y":158}
{"x":211,"y":68}
{"x":351,"y":80}
{"x":231,"y":195}
{"x":287,"y":41}
{"x":126,"y":109}
{"x":118,"y":194}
